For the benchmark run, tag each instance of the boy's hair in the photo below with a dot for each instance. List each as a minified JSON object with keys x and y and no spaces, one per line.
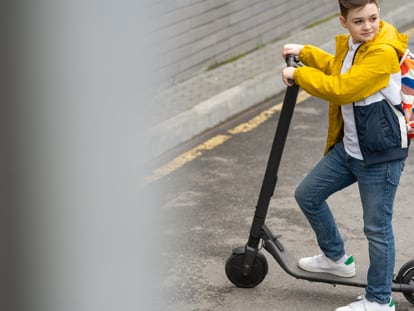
{"x":346,"y":5}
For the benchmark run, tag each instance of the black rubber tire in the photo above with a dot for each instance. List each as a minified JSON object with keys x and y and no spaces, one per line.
{"x":409,"y":279}
{"x":403,"y":270}
{"x":256,"y":276}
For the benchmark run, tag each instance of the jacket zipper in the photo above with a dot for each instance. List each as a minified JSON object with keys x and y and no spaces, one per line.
{"x":353,"y":106}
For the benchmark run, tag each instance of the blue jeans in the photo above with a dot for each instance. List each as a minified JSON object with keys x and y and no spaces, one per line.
{"x":377,"y":187}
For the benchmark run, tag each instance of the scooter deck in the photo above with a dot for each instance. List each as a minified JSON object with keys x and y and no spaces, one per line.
{"x":289,"y":264}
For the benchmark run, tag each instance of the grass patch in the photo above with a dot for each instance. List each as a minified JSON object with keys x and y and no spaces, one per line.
{"x":233,"y":59}
{"x":321,"y":21}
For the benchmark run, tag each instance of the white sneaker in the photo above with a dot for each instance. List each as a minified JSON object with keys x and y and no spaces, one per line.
{"x":364,"y":305}
{"x":323,"y":264}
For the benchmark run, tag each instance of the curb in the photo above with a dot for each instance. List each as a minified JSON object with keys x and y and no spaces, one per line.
{"x":215,"y":110}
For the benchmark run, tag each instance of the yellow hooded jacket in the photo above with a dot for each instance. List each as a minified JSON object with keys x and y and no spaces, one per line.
{"x":373,"y":65}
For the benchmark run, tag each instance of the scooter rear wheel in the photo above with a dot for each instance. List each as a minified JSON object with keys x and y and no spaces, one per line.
{"x":409,"y":279}
{"x":406,"y":276}
{"x":255,"y":277}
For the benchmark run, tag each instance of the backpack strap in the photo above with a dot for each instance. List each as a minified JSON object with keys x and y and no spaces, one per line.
{"x":407,"y":51}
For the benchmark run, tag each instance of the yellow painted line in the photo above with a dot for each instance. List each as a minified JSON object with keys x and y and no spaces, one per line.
{"x":186,"y":157}
{"x":216,"y":141}
{"x":256,"y":121}
{"x":264,"y":116}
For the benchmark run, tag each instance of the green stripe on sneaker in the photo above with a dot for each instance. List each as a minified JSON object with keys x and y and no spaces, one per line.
{"x":349,"y":260}
{"x":391,"y":303}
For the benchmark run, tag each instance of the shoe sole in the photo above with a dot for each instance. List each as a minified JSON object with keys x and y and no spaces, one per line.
{"x":316,"y":270}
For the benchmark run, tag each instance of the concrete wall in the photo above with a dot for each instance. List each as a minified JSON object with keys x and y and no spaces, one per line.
{"x":191,"y":35}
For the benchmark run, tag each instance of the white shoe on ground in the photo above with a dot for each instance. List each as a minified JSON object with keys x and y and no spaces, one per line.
{"x":364,"y":305}
{"x":323,"y":264}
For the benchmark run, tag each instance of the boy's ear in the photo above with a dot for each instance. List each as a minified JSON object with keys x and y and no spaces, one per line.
{"x":342,"y":20}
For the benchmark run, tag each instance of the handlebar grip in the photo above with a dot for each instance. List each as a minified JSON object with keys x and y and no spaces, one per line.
{"x":290,"y":60}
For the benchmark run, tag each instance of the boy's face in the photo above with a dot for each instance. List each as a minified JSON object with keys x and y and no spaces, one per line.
{"x":362,"y":23}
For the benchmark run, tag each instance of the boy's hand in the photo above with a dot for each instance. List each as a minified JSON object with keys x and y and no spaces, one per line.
{"x":288,"y":75}
{"x":292,"y":49}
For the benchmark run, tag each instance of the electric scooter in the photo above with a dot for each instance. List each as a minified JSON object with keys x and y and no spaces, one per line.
{"x":247,"y":266}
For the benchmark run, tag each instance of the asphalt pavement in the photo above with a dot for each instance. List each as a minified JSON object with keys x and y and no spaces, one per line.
{"x":208,"y":206}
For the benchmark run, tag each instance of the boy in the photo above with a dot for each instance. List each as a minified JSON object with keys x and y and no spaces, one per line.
{"x":366,"y":143}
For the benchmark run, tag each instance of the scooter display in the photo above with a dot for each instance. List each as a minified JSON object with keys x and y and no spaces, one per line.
{"x":247,"y":266}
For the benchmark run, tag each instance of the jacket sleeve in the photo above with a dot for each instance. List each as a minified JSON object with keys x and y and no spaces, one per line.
{"x":317,"y":58}
{"x":369,"y":74}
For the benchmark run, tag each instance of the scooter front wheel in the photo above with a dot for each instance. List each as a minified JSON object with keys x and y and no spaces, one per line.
{"x":257,"y":274}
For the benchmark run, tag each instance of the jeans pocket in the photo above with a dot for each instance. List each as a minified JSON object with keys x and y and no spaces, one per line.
{"x":394,"y":171}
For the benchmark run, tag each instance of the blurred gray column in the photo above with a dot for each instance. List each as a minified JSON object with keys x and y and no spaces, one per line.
{"x":84,"y":233}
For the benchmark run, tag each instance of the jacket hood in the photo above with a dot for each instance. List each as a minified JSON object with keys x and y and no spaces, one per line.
{"x":387,"y":34}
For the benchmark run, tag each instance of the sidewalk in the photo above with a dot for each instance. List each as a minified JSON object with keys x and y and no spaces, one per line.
{"x":204,"y":101}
